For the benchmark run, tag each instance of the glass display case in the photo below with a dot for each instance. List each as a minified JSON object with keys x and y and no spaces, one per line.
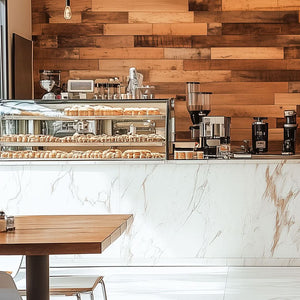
{"x":82,"y":129}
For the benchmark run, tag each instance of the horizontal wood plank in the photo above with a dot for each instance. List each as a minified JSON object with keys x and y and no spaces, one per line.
{"x":96,"y":41}
{"x":262,"y":75}
{"x":275,"y":111}
{"x":261,"y":29}
{"x":246,"y":123}
{"x":121,"y":53}
{"x":141,"y":5}
{"x":169,"y":88}
{"x":214,"y":28}
{"x":66,"y":53}
{"x":180,"y":29}
{"x":294,"y":87}
{"x":41,"y":41}
{"x":69,"y":29}
{"x":287,"y":98}
{"x":249,"y":40}
{"x":184,"y":76}
{"x":247,"y":53}
{"x":161,"y":17}
{"x":242,"y":99}
{"x":292,"y":52}
{"x":40,"y":17}
{"x":141,"y":64}
{"x":238,"y":64}
{"x":128,"y":29}
{"x":260,"y":5}
{"x":104,"y":17}
{"x":205,"y":5}
{"x":163,"y":41}
{"x":232,"y":88}
{"x":245,"y":87}
{"x":68,"y":64}
{"x":183,"y":53}
{"x":91,"y":74}
{"x":247,"y":17}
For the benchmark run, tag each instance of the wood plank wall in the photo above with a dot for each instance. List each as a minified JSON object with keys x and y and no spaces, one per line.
{"x":246,"y":52}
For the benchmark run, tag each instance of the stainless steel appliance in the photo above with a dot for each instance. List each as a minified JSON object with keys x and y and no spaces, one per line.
{"x":215,"y":136}
{"x":80,"y":89}
{"x":289,"y":132}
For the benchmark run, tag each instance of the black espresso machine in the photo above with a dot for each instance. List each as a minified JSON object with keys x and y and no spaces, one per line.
{"x":211,"y":133}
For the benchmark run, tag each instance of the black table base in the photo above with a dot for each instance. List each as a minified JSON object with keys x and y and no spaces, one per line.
{"x":37,"y":277}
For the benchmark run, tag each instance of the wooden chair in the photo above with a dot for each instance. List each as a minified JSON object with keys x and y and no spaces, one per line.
{"x":73,"y":286}
{"x":8,"y":289}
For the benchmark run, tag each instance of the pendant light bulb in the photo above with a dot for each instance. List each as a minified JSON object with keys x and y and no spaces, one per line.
{"x":68,"y":12}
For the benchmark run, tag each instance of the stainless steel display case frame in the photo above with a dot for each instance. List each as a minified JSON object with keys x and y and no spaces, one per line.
{"x":30,"y":124}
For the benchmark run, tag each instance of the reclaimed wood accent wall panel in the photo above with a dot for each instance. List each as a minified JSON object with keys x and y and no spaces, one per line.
{"x":246,"y":52}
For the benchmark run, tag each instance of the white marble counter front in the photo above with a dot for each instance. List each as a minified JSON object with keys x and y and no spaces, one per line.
{"x":221,"y":212}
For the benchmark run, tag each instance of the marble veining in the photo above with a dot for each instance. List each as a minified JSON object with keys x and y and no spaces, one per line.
{"x":280,"y":197}
{"x":208,"y":212}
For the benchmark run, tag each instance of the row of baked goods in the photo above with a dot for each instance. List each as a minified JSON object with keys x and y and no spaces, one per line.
{"x":89,"y":154}
{"x":82,"y":138}
{"x":100,"y":110}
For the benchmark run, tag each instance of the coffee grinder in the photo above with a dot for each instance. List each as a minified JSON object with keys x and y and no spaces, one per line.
{"x":289,"y":135}
{"x":198,"y":106}
{"x":211,"y":133}
{"x":259,"y":135}
{"x":50,"y":81}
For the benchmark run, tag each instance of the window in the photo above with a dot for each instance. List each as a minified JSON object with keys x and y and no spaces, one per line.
{"x":3,"y":51}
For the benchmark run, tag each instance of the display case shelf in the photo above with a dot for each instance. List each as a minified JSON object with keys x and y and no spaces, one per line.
{"x":74,"y":118}
{"x":104,"y":144}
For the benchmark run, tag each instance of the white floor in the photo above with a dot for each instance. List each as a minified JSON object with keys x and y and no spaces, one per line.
{"x":191,"y":283}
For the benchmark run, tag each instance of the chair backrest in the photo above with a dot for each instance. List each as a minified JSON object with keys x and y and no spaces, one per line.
{"x":8,"y":289}
{"x":10,"y":263}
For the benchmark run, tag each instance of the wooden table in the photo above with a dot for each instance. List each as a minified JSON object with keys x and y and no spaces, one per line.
{"x":39,"y":236}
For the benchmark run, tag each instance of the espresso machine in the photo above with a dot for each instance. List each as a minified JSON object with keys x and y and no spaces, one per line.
{"x":289,"y":132}
{"x":211,"y":133}
{"x":215,"y":136}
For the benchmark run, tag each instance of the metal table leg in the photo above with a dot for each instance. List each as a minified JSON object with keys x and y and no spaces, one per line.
{"x":37,"y":277}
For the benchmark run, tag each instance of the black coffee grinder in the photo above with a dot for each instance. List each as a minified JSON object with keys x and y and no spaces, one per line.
{"x":259,"y":135}
{"x":198,"y":105}
{"x":289,"y":132}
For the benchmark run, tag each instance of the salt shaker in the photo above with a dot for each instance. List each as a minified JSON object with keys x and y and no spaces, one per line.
{"x":2,"y":221}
